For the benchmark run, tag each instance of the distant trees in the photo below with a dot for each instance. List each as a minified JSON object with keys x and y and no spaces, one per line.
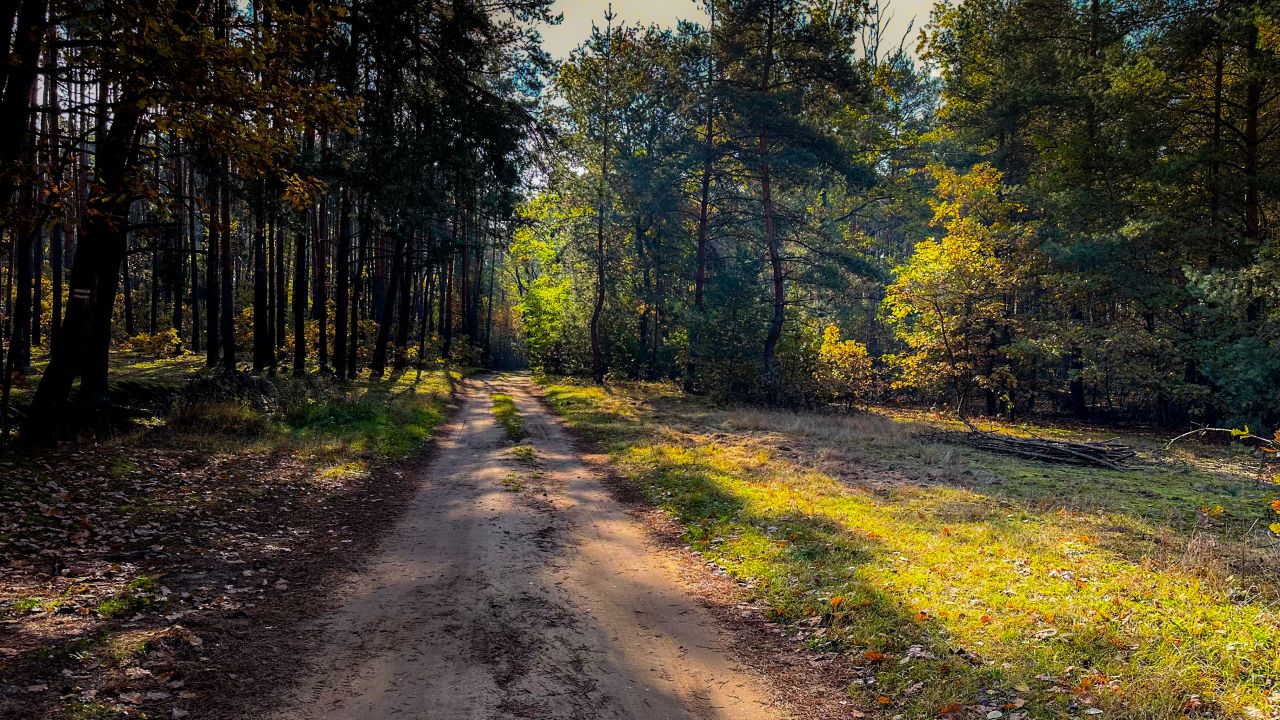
{"x":1074,"y":214}
{"x":1133,"y":134}
{"x":772,"y":78}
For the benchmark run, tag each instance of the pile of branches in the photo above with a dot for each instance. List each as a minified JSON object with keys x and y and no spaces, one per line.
{"x":1107,"y":454}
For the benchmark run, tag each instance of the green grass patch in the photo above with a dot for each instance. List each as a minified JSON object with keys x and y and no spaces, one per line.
{"x":91,"y":710}
{"x":504,"y":409}
{"x":957,"y":578}
{"x":136,"y":596}
{"x":525,"y":453}
{"x":374,"y":418}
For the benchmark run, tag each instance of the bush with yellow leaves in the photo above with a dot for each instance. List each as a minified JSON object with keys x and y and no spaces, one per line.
{"x":165,"y":343}
{"x":844,"y":367}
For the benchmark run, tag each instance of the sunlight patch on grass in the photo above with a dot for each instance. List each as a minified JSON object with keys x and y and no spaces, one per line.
{"x":504,"y":410}
{"x":1002,"y":583}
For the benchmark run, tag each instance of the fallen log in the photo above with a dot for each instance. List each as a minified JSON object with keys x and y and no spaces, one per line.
{"x":1107,"y":454}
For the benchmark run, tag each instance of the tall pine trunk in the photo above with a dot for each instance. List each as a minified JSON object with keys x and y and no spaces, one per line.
{"x":379,"y":362}
{"x":300,"y":304}
{"x":228,"y":281}
{"x":342,"y":263}
{"x":212,"y":264}
{"x":262,"y":340}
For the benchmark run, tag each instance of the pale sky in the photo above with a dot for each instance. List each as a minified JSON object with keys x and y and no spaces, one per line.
{"x":579,"y":14}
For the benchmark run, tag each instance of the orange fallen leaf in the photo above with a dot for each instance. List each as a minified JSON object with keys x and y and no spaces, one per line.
{"x":873,"y":656}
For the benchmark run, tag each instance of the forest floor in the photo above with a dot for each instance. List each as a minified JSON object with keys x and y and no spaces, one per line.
{"x":161,"y":573}
{"x":940,"y":581}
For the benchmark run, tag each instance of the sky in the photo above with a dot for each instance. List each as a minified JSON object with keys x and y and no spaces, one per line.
{"x":579,"y":14}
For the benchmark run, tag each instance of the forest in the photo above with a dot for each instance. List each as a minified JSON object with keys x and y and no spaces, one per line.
{"x":1046,"y":207}
{"x":1039,"y":208}
{"x":892,"y":369}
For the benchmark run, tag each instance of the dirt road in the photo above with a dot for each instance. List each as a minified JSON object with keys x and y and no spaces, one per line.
{"x":513,"y":589}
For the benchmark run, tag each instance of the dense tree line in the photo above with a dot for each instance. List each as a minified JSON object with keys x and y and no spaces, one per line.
{"x":1061,"y":206}
{"x":1049,"y":206}
{"x":282,"y":185}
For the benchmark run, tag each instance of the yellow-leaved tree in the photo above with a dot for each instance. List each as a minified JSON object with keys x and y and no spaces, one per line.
{"x":952,"y":302}
{"x":844,"y":367}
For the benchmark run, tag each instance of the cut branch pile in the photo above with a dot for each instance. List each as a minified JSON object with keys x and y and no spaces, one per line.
{"x":1106,"y":454}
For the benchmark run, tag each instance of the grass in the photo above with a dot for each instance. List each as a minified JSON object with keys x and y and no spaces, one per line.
{"x":513,"y":483}
{"x":137,"y":595}
{"x":504,"y":409}
{"x":953,"y":579}
{"x":525,"y":453}
{"x":340,"y":429}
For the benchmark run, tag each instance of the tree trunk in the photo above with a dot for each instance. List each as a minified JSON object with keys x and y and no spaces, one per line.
{"x":281,"y":290}
{"x":85,"y":335}
{"x":228,"y":278}
{"x":379,"y":362}
{"x":424,"y":325}
{"x":446,"y":311}
{"x":129,"y":330}
{"x":300,"y":304}
{"x":19,"y":81}
{"x":37,"y":286}
{"x":153,"y":295}
{"x":320,"y":296}
{"x":189,"y":203}
{"x":353,"y":358}
{"x":403,"y":315}
{"x":212,"y":264}
{"x":772,"y":373}
{"x":262,"y":340}
{"x":704,"y":209}
{"x":342,"y":262}
{"x":1252,"y":145}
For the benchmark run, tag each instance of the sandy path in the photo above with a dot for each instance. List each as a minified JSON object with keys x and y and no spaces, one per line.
{"x":512,"y":590}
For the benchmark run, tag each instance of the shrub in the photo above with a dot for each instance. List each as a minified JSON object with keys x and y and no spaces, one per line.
{"x":165,"y":343}
{"x":844,"y":367}
{"x":218,"y":417}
